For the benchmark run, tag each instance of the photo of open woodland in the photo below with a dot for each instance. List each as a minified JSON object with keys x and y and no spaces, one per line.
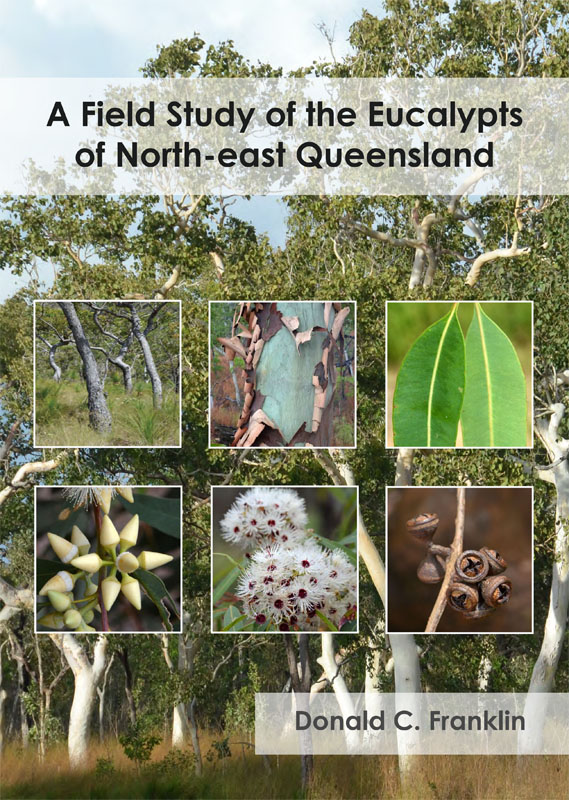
{"x":282,"y":374}
{"x":107,"y":374}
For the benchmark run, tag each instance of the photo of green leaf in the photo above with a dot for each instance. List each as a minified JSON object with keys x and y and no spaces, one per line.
{"x":458,"y":380}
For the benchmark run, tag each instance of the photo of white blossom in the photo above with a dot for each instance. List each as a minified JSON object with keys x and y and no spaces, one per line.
{"x":284,"y":559}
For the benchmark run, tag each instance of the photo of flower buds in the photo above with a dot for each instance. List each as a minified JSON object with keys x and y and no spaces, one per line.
{"x":459,"y":559}
{"x":108,"y":559}
{"x":284,"y":559}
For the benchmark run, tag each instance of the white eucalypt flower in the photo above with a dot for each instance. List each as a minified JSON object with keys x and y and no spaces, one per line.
{"x":290,"y":582}
{"x":73,"y":610}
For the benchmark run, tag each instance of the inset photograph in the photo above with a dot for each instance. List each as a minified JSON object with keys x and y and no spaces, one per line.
{"x":107,"y":373}
{"x":108,"y":559}
{"x":459,"y":374}
{"x":282,"y":374}
{"x":460,"y":559}
{"x":284,"y":559}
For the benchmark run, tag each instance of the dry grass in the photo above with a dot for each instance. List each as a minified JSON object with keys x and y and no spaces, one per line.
{"x":243,"y":775}
{"x":62,"y":417}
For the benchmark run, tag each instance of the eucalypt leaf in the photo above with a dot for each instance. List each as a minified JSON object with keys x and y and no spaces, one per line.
{"x":430,"y":387}
{"x":158,"y":593}
{"x":494,"y":411}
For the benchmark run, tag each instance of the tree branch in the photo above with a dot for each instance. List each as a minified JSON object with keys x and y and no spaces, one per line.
{"x":455,"y":550}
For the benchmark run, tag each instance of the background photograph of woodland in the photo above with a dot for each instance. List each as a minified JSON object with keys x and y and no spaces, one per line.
{"x":107,"y":374}
{"x":173,"y":716}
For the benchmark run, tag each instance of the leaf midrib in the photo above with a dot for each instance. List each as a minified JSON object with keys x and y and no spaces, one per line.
{"x":434,"y":375}
{"x":487,"y":374}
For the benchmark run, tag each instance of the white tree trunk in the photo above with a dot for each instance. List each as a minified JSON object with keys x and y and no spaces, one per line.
{"x":183,"y":716}
{"x":543,"y":676}
{"x":87,"y":676}
{"x":179,"y":726}
{"x":332,"y":671}
{"x":484,"y":671}
{"x":3,"y":697}
{"x":403,"y":647}
{"x":80,"y":718}
{"x":545,"y":668}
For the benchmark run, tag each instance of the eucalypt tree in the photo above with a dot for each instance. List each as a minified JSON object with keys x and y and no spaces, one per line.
{"x":467,"y":390}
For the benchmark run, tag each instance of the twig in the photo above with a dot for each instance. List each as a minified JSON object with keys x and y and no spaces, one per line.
{"x":98,"y":522}
{"x":455,"y":551}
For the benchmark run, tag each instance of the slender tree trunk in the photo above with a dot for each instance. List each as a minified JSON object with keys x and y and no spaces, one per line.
{"x":123,"y":655}
{"x":301,"y":687}
{"x":193,"y":726}
{"x":122,"y":364}
{"x":102,"y":692}
{"x":87,"y":676}
{"x":148,"y":357}
{"x":543,"y":676}
{"x":53,"y":363}
{"x":545,"y":668}
{"x":373,"y":685}
{"x":183,"y":717}
{"x":403,"y":647}
{"x":407,"y":680}
{"x":484,"y":672}
{"x":99,"y":415}
{"x":3,"y":697}
{"x":328,"y":662}
{"x":18,"y":656}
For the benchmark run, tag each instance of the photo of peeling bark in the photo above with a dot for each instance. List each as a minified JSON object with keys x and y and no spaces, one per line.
{"x":282,"y":374}
{"x":460,"y":560}
{"x":107,"y":374}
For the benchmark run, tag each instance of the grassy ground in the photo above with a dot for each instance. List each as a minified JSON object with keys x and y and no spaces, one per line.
{"x":62,"y":417}
{"x":170,"y":774}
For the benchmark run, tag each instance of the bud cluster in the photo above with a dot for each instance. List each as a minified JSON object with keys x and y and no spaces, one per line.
{"x":74,"y":596}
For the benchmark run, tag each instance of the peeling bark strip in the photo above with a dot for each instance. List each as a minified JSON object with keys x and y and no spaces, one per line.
{"x":254,"y":324}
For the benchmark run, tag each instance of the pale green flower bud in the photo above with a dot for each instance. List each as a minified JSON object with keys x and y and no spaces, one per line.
{"x":61,"y":602}
{"x":90,"y":563}
{"x":129,"y":534}
{"x":110,"y":589}
{"x":104,"y":497}
{"x":72,"y":618}
{"x":127,"y":562}
{"x":109,"y":537}
{"x":52,"y":621}
{"x":80,"y":540}
{"x":150,"y":560}
{"x":64,"y":550}
{"x":62,"y":582}
{"x":130,"y":587}
{"x":85,"y":628}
